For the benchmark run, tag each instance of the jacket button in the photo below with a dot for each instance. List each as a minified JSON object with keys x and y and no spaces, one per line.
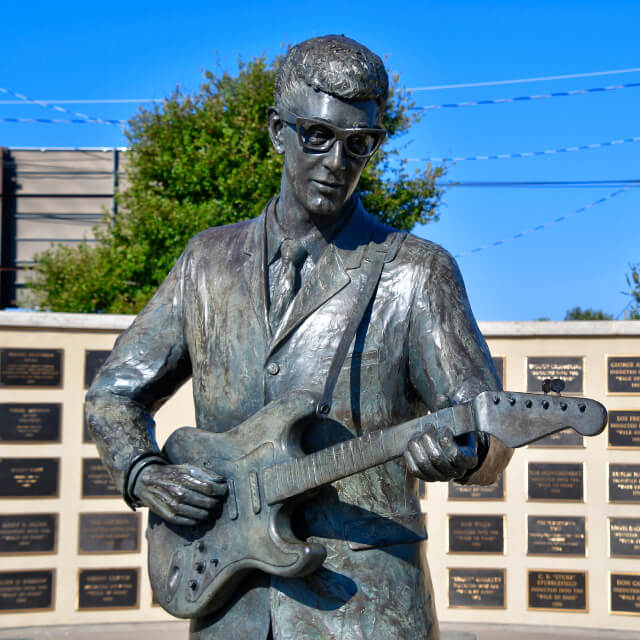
{"x":273,"y":368}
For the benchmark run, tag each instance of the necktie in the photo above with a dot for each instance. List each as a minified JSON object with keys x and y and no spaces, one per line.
{"x":292,"y":256}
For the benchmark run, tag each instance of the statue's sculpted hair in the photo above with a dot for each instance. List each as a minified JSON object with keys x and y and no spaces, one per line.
{"x":336,"y":65}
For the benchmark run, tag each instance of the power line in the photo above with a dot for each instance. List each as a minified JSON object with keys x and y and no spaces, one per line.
{"x":84,"y":101}
{"x":540,"y":227}
{"x":528,"y":154}
{"x":626,"y":183}
{"x":494,"y":83}
{"x":48,"y":105}
{"x":61,"y":121}
{"x":542,"y":96}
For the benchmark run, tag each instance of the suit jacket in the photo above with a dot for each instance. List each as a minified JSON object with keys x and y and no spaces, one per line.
{"x":418,"y":349}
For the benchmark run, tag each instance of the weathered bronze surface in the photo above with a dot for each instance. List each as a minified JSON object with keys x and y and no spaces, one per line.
{"x":255,"y":312}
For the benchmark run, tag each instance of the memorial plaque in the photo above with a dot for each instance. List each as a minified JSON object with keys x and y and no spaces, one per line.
{"x":499,"y":364}
{"x":476,"y":588}
{"x":556,"y":481}
{"x":493,"y":491}
{"x":96,"y":481}
{"x":476,"y":534}
{"x":93,"y":360}
{"x":624,"y":429}
{"x":570,"y":369}
{"x":625,"y":593}
{"x":557,"y":591}
{"x":109,"y":533}
{"x":26,"y":590}
{"x":624,"y":537}
{"x":108,"y":588}
{"x":30,"y":367}
{"x":28,"y":533}
{"x":29,"y":477}
{"x":565,"y":438}
{"x":624,"y":482}
{"x":556,"y":535}
{"x":623,"y":375}
{"x":30,"y":422}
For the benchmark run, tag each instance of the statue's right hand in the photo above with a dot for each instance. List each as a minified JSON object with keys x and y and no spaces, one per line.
{"x":181,"y":493}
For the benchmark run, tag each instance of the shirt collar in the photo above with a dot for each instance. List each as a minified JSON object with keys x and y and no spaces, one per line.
{"x":315,"y":242}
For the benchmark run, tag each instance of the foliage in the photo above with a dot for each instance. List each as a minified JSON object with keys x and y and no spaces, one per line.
{"x":633,"y":282}
{"x":577,"y":313}
{"x":200,"y":161}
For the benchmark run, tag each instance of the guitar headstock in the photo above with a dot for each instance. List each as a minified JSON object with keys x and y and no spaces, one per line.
{"x":522,"y":418}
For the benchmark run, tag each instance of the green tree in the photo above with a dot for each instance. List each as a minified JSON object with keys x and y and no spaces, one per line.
{"x":633,"y":282}
{"x":205,"y":160}
{"x":578,"y":313}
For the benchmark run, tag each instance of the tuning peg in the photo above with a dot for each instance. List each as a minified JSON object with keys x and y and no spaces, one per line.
{"x":556,"y":385}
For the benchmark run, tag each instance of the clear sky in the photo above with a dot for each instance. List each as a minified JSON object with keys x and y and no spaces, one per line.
{"x":134,"y":50}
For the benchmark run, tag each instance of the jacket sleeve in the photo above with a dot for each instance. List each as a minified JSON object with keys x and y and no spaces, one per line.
{"x":149,"y":362}
{"x":449,"y":359}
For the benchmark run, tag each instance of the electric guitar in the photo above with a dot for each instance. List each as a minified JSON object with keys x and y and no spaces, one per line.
{"x":194,"y":570}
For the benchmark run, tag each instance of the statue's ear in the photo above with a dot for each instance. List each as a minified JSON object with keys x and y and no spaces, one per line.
{"x":276,"y":129}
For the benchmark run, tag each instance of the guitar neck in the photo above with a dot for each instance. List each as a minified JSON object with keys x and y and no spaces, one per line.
{"x":515,"y":418}
{"x":346,"y":458}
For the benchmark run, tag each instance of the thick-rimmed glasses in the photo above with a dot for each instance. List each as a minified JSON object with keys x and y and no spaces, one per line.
{"x":318,"y":136}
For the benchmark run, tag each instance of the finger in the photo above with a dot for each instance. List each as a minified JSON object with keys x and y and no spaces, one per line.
{"x":211,"y":476}
{"x":161,"y":508}
{"x":173,"y":507}
{"x":459,"y":458}
{"x":214,"y":486}
{"x":428,"y":458}
{"x":195,"y":499}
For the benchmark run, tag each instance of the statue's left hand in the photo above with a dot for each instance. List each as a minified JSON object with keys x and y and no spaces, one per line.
{"x":439,"y":456}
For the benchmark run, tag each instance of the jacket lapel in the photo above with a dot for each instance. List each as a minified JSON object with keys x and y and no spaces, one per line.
{"x":329,"y":276}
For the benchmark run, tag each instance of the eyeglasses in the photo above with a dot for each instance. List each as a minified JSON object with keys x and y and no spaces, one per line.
{"x":318,"y":135}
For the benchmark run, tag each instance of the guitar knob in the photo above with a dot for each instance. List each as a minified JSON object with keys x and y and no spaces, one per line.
{"x":193,"y":585}
{"x":496,"y":399}
{"x":199,"y":567}
{"x":200,"y":546}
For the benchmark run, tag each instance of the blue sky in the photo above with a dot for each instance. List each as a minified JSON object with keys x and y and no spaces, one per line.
{"x":64,"y":51}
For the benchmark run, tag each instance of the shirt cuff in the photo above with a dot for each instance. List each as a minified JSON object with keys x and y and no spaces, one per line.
{"x":136,"y":467}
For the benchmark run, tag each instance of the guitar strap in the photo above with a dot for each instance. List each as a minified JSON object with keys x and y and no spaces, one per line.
{"x":377,"y":253}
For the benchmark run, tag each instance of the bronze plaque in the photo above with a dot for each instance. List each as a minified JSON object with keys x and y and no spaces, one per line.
{"x":493,"y":491}
{"x":109,"y":533}
{"x":476,"y":534}
{"x":556,"y":535}
{"x":93,"y":360}
{"x":28,"y":533}
{"x":30,"y":367}
{"x":624,"y":429}
{"x":29,"y":477}
{"x":30,"y":422}
{"x":623,"y":374}
{"x":108,"y":588}
{"x":624,"y":482}
{"x":564,"y":438}
{"x":570,"y":369}
{"x":553,"y":481}
{"x":477,"y":588}
{"x":625,"y":593}
{"x":624,"y":537}
{"x":96,"y":481}
{"x":26,"y":590}
{"x":557,"y":591}
{"x":499,"y":363}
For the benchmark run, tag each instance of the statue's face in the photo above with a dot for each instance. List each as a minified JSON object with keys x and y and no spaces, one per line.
{"x":323,"y":182}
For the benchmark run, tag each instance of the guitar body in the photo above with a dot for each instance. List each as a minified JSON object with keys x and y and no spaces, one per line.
{"x":194,"y":570}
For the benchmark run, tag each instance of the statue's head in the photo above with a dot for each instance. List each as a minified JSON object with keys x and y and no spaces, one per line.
{"x":335,"y":65}
{"x":329,"y":100}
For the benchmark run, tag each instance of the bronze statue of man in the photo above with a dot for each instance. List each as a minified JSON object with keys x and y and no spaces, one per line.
{"x":256,"y":310}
